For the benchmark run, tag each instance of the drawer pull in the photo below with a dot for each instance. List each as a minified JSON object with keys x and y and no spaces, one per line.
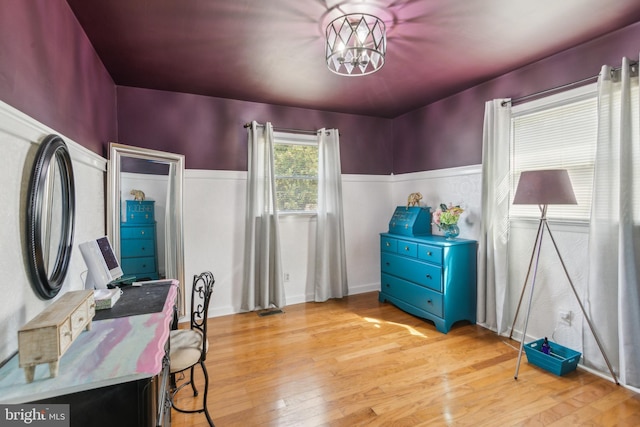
{"x":388,"y":244}
{"x":142,"y":232}
{"x":387,"y":263}
{"x":406,"y":248}
{"x":429,"y":276}
{"x":388,"y":285}
{"x":429,"y":301}
{"x":428,"y":253}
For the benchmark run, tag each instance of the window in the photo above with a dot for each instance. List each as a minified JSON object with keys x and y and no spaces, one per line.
{"x":556,"y":132}
{"x":296,"y":172}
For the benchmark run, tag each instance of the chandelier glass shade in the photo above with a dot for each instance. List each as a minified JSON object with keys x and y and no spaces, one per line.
{"x":356,"y":44}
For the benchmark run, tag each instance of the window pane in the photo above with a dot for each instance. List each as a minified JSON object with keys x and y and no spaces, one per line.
{"x":296,"y":170}
{"x":558,"y":137}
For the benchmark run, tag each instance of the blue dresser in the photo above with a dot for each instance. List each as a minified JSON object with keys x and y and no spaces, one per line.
{"x":138,"y":250}
{"x":428,"y":276}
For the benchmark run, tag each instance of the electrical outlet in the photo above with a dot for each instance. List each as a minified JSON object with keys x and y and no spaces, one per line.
{"x":286,"y":277}
{"x":566,"y":316}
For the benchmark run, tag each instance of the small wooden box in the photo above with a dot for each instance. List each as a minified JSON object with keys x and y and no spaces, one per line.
{"x":48,"y":335}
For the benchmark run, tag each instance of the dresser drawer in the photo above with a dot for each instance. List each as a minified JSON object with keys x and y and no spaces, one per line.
{"x":79,"y":319}
{"x":139,"y":265}
{"x":413,"y":294}
{"x":137,"y":232}
{"x":430,"y":253}
{"x":402,"y":247}
{"x":407,"y":248}
{"x":388,"y":244}
{"x":65,"y":339}
{"x":138,"y":247}
{"x":413,"y":270}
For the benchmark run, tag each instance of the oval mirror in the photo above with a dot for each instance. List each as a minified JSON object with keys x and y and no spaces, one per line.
{"x":50,"y":216}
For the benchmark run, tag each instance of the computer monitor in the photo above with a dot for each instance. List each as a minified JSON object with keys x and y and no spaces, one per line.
{"x":102,"y":264}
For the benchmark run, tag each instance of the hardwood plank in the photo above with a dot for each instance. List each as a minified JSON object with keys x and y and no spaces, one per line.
{"x":357,"y":362}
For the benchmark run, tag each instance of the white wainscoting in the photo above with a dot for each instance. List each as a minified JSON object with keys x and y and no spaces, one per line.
{"x":552,"y":293}
{"x":20,"y":136}
{"x":458,"y":186}
{"x":214,"y":235}
{"x":215,"y":215}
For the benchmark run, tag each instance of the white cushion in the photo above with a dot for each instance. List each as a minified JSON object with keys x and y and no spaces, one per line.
{"x":185,"y":349}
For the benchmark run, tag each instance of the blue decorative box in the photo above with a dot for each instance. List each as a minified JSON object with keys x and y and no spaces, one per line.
{"x":411,"y":221}
{"x":140,"y":211}
{"x":560,"y":360}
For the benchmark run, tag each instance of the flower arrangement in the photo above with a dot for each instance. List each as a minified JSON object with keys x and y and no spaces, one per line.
{"x":446,"y":218}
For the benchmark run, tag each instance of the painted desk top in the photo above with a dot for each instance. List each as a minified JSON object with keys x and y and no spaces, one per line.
{"x":114,"y":351}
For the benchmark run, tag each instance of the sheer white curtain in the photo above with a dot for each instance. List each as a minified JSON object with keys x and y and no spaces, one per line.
{"x":613,"y":290}
{"x":330,"y":269}
{"x":263,"y":285}
{"x":494,"y":228}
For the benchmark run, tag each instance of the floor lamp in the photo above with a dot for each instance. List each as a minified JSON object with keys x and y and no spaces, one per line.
{"x":543,"y":188}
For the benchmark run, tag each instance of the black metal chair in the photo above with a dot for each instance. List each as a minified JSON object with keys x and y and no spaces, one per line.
{"x":188,"y":347}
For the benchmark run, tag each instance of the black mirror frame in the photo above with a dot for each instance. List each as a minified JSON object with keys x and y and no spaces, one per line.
{"x":52,"y":149}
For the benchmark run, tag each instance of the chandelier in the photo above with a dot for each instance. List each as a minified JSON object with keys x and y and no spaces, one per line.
{"x":356,"y":44}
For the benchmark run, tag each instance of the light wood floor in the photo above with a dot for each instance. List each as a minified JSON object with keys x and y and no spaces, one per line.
{"x":356,"y":362}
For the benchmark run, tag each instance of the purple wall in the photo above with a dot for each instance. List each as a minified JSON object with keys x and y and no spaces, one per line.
{"x":210,"y":131}
{"x":448,"y":133}
{"x":49,"y":71}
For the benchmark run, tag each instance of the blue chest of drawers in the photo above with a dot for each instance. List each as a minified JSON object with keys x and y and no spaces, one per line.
{"x":430,"y":277}
{"x":138,"y":240}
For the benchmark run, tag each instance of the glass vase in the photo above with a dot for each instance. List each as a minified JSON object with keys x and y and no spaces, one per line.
{"x":451,"y":231}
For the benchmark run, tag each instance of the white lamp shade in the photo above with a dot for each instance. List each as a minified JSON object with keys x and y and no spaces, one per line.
{"x":545,"y":187}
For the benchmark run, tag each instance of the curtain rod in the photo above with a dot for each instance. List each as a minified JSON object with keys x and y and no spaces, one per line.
{"x":550,"y":90}
{"x":565,"y":86}
{"x":307,"y":132}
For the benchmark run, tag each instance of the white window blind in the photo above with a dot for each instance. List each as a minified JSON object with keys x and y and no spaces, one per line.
{"x":557,"y":132}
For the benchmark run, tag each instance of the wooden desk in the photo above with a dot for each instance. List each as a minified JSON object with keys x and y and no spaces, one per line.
{"x":115,"y":352}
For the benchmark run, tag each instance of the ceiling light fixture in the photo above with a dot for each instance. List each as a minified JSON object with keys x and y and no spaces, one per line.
{"x":356,"y":44}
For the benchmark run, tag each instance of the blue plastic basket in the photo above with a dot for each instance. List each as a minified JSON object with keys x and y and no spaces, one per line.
{"x":560,"y":361}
